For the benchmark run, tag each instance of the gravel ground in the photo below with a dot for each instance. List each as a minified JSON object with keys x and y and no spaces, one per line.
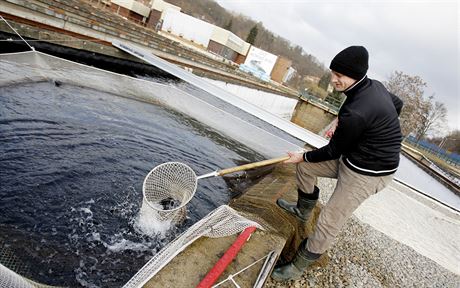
{"x":364,"y":257}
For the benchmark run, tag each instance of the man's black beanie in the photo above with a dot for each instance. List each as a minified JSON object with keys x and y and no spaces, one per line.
{"x":351,"y":62}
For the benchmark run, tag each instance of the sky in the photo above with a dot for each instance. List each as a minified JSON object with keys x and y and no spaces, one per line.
{"x":419,"y":38}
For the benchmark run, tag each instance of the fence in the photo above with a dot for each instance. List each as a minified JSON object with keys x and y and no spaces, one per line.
{"x":450,"y":157}
{"x":320,"y":102}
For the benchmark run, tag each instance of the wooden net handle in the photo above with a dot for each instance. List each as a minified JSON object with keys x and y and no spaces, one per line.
{"x":252,"y":165}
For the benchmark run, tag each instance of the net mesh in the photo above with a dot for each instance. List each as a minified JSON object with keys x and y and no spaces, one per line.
{"x":27,"y":67}
{"x":10,"y":279}
{"x":223,"y":221}
{"x":169,"y":186}
{"x":167,"y":189}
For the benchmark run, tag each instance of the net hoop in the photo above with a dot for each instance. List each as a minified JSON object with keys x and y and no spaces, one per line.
{"x":162,"y":181}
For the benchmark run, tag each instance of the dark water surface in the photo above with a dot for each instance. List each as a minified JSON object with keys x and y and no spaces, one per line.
{"x":72,"y":162}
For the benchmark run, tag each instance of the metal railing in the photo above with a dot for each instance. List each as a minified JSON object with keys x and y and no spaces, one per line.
{"x":320,"y":102}
{"x":450,"y":158}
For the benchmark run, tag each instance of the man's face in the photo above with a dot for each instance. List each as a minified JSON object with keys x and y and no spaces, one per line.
{"x":340,"y":81}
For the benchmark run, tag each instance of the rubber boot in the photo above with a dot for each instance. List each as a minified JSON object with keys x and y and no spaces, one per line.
{"x":293,"y":270}
{"x":305,"y":204}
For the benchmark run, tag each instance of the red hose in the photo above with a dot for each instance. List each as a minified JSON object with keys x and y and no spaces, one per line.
{"x":226,"y":259}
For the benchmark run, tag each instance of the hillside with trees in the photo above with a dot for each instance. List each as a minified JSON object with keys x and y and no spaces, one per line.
{"x":210,"y":11}
{"x":422,"y":115}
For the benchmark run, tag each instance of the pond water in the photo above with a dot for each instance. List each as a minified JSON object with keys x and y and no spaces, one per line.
{"x":72,"y":162}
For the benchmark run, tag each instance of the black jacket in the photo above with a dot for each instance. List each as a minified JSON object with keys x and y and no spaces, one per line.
{"x":368,"y":135}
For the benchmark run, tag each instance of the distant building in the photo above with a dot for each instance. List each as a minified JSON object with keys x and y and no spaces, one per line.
{"x":289,"y":74}
{"x":228,"y":45}
{"x":187,"y":27}
{"x":158,"y":6}
{"x":163,"y":16}
{"x":280,"y":69}
{"x":137,"y":11}
{"x":211,"y":37}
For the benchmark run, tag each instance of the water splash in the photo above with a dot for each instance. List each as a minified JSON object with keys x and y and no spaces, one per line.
{"x":147,"y":222}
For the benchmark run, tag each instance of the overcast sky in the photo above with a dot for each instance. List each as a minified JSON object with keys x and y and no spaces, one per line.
{"x":419,"y":38}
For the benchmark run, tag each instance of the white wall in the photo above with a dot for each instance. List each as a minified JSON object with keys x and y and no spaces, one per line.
{"x":161,"y":5}
{"x":227,"y":38}
{"x":187,"y":27}
{"x":276,"y":104}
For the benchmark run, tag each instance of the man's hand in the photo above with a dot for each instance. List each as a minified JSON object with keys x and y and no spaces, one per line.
{"x":295,"y":157}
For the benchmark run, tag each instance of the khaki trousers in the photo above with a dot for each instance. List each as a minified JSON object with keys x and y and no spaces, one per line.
{"x":351,"y":190}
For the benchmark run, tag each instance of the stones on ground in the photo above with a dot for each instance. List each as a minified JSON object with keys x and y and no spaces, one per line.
{"x":364,"y":257}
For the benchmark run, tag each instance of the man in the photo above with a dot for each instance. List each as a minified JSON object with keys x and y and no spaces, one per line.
{"x":363,"y":154}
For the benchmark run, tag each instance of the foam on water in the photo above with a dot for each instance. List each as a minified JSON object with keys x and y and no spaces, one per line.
{"x":125,"y":244}
{"x":147,"y":222}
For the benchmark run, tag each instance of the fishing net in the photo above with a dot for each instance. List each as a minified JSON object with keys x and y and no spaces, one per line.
{"x":34,"y":66}
{"x":167,"y":189}
{"x":223,"y":221}
{"x":170,"y":186}
{"x":10,"y":279}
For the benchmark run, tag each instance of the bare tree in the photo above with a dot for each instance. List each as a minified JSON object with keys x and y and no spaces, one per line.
{"x":410,"y":89}
{"x":419,"y":115}
{"x":434,"y":115}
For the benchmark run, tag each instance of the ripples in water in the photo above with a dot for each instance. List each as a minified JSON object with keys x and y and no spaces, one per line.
{"x":72,"y":162}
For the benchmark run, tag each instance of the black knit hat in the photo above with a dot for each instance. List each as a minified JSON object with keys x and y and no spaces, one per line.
{"x":351,"y":62}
